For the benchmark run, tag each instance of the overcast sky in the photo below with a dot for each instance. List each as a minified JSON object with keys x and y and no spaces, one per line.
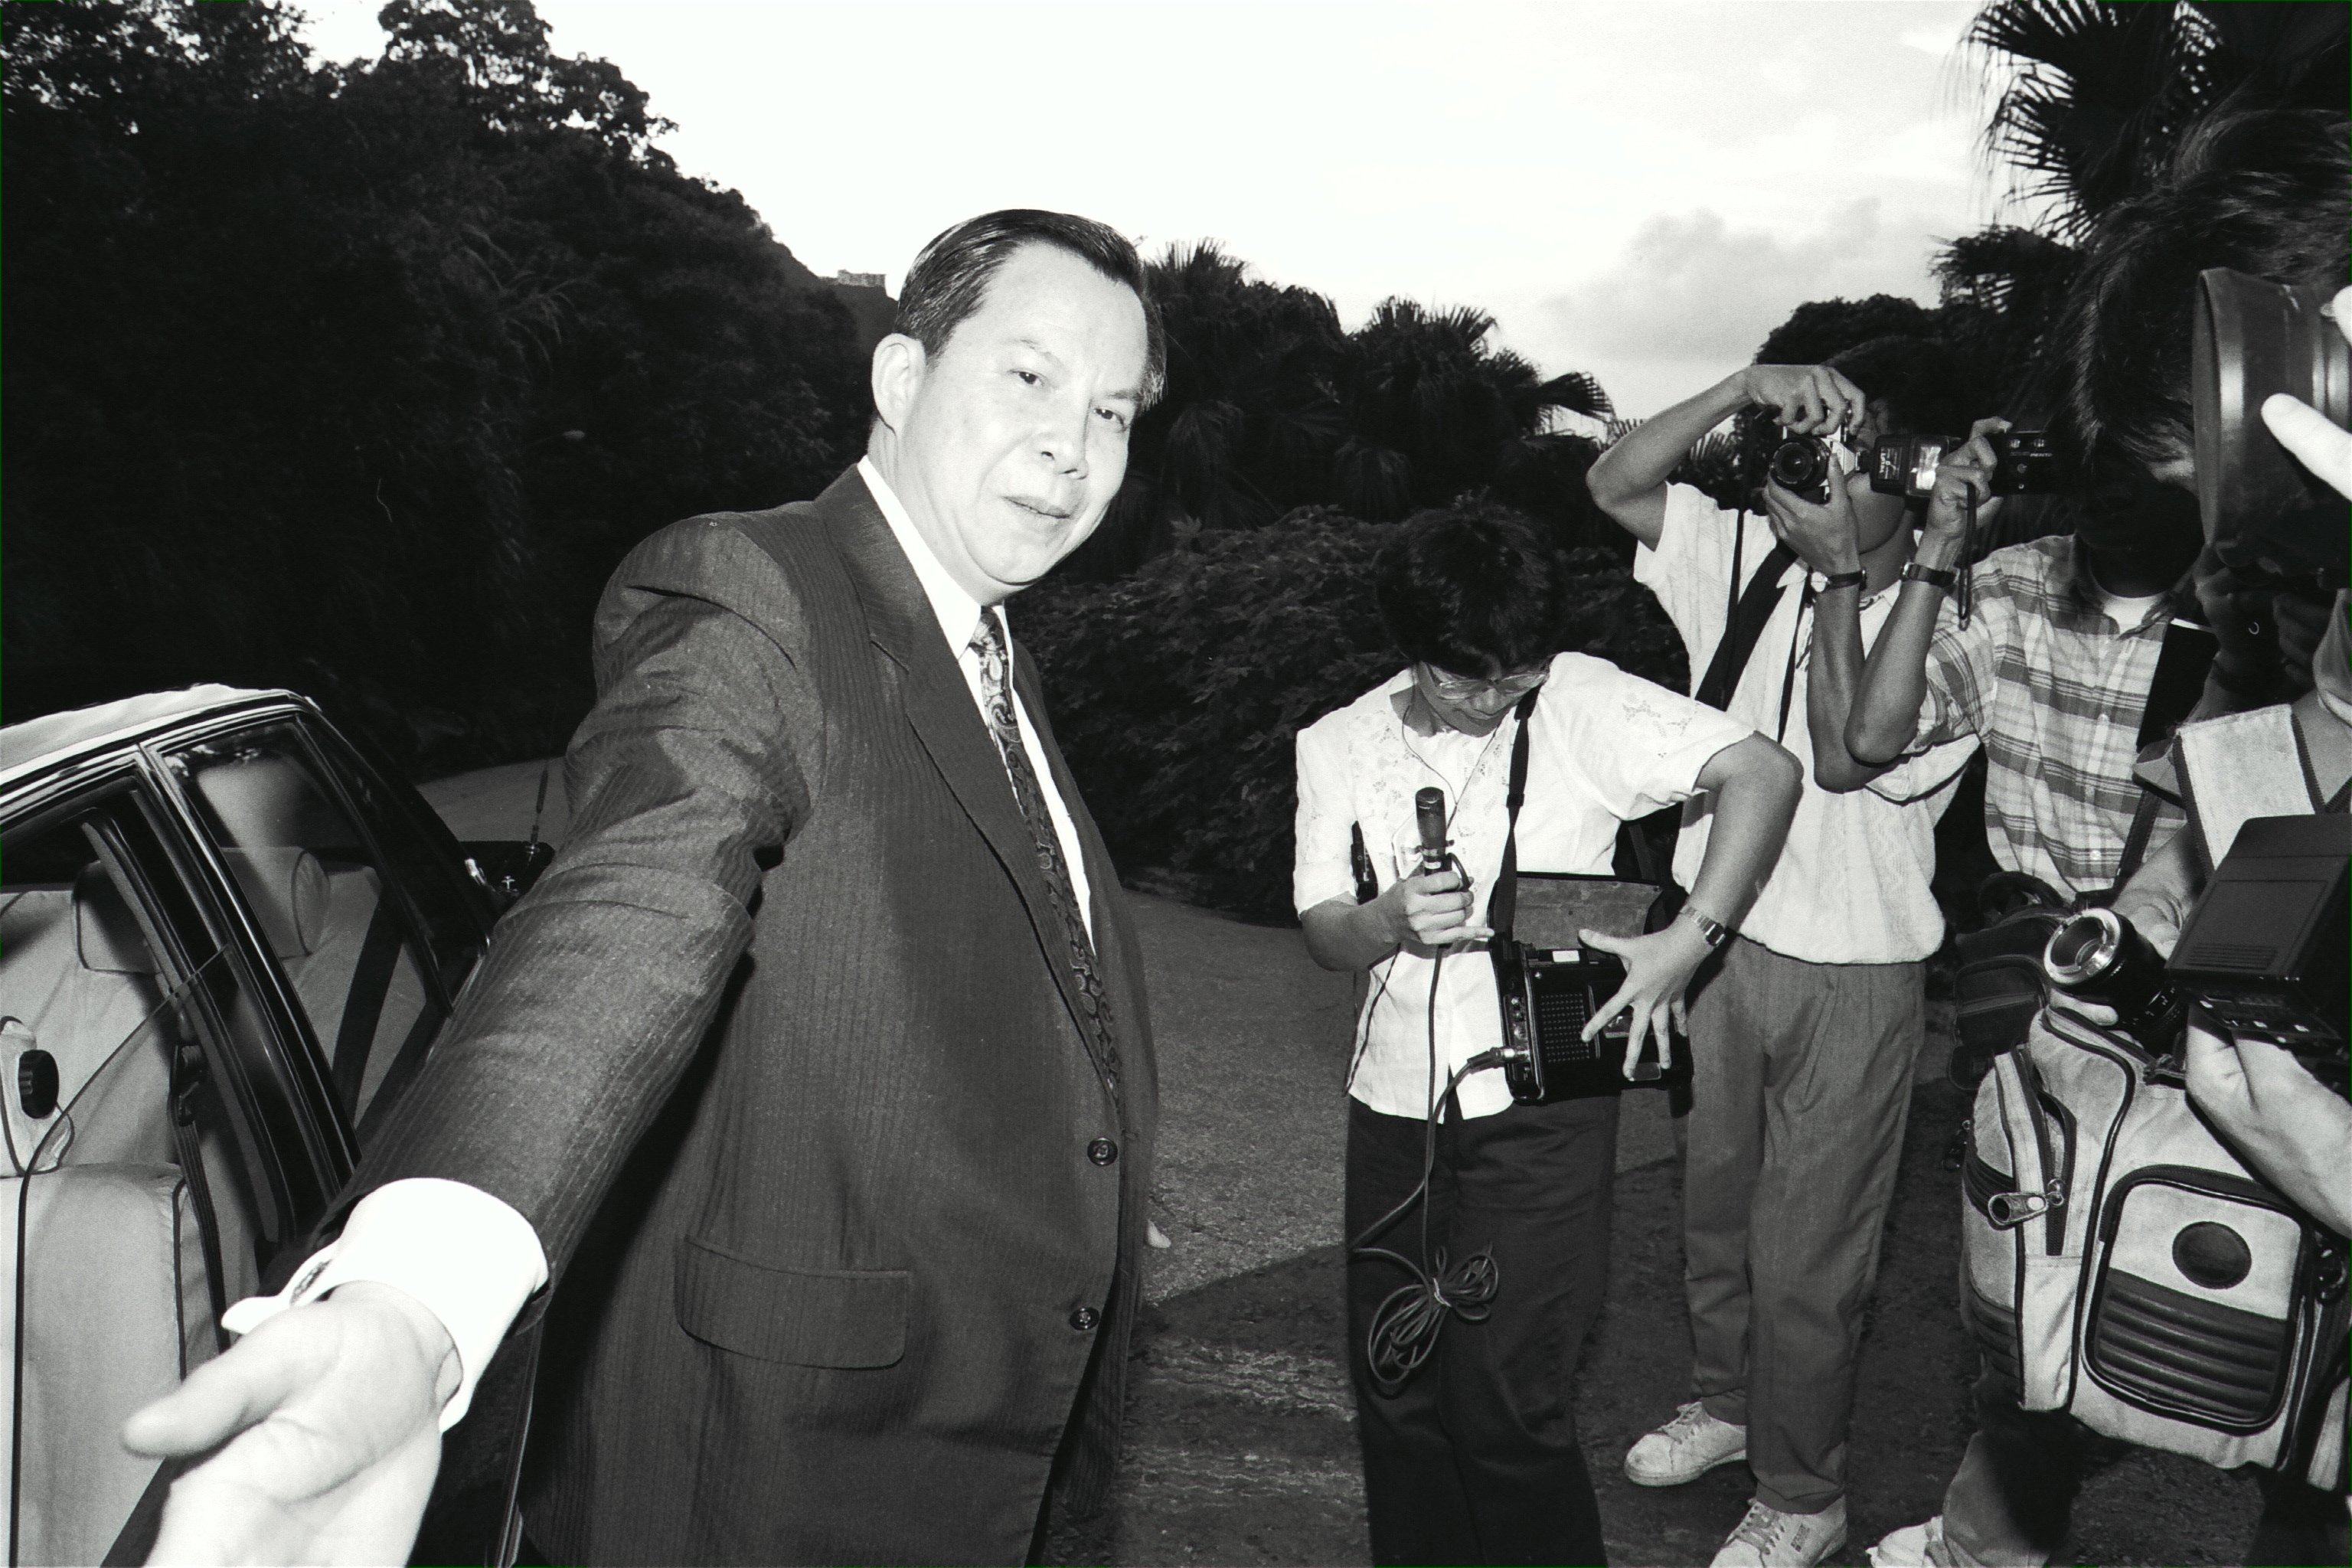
{"x":1640,"y":189}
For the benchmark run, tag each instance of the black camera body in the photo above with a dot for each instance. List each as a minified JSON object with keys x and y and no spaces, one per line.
{"x":2264,"y":513}
{"x":2024,"y":463}
{"x":1549,"y":997}
{"x":1802,"y":465}
{"x":2263,"y":950}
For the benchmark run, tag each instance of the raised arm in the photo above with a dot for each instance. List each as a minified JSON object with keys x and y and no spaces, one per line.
{"x":1629,"y":481}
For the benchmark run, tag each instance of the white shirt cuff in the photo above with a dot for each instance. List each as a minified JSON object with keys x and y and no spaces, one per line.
{"x":467,"y":1258}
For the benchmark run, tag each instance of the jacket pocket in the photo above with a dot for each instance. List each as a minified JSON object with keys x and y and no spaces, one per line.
{"x":808,"y":1317}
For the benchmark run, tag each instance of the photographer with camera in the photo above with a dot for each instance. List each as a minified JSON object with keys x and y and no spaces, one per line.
{"x":1804,"y":1035}
{"x":2263,"y":194}
{"x":1482,"y":1218}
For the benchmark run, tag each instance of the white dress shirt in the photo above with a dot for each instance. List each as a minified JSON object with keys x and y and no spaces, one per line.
{"x":1603,"y":747}
{"x":471,"y":1258}
{"x":1851,"y":884}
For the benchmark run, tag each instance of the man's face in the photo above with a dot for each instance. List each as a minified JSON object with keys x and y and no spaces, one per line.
{"x":1008,"y":444}
{"x":1474,"y":704}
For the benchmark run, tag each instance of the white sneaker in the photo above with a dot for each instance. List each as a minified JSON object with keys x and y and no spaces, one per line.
{"x":1685,"y":1448}
{"x":1916,"y":1546}
{"x":1768,"y":1538}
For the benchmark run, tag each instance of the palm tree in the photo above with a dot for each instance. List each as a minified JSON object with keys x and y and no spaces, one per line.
{"x":2094,"y":100}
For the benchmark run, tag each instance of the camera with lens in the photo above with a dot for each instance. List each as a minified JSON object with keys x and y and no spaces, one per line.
{"x":2263,"y":954}
{"x":2266,"y":515}
{"x":1802,"y":465}
{"x":2024,"y":463}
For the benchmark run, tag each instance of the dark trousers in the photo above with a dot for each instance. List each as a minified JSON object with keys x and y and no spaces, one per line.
{"x":2010,"y":1503}
{"x":1476,"y":1460}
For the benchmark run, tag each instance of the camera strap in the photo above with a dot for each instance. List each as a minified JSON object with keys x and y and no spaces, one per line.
{"x":1746,"y":612}
{"x":1633,"y":847}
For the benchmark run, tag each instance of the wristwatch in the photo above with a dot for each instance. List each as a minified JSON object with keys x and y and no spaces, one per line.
{"x":1933,"y":577}
{"x":1712,"y":931}
{"x":1843,"y":580}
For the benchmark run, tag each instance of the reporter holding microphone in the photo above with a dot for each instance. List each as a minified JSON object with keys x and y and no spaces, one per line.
{"x":1472,"y":1458}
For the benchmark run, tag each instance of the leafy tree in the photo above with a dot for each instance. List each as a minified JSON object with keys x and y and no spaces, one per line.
{"x":359,"y":379}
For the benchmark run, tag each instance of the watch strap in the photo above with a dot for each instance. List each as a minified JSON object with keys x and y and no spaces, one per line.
{"x":1855,"y":579}
{"x":1933,"y":577}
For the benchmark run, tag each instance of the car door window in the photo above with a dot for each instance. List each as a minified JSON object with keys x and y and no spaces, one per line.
{"x":319,"y":900}
{"x":128,"y":1202}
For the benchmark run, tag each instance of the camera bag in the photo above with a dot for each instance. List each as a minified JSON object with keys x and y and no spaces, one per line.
{"x":2119,"y":1263}
{"x":1549,"y":985}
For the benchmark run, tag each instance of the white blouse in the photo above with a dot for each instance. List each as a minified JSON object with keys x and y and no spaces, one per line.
{"x":1604,"y":747}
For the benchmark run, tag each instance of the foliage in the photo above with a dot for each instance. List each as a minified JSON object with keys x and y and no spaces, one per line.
{"x":359,"y":379}
{"x":2093,"y":100}
{"x":1178,"y":690}
{"x":1272,"y":406}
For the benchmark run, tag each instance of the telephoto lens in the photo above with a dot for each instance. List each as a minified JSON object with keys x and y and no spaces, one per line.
{"x":1800,"y":464}
{"x":2097,"y":955}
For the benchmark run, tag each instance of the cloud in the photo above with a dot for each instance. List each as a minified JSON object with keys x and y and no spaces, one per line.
{"x":1691,"y":296}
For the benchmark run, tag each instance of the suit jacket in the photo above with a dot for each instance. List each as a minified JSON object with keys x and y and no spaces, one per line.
{"x":783,"y":1059}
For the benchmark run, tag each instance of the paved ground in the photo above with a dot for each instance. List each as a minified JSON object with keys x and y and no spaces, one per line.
{"x":1240,"y":1439}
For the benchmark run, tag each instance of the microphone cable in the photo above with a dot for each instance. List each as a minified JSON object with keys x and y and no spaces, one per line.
{"x":1405,"y":1328}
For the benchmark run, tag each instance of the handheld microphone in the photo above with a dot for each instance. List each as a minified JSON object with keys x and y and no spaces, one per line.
{"x":1429,"y":810}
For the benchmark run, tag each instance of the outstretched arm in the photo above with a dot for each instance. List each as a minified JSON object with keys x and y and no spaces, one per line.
{"x":596,"y":992}
{"x":1629,"y":481}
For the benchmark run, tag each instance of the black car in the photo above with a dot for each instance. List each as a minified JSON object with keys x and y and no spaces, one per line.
{"x":227,"y":942}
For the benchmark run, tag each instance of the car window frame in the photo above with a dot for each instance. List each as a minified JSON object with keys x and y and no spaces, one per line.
{"x":304,"y":723}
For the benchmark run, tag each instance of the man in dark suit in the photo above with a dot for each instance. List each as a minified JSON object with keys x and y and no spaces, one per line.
{"x":825,"y":1033}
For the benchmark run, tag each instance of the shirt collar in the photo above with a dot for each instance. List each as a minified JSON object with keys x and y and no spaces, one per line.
{"x":958,"y":612}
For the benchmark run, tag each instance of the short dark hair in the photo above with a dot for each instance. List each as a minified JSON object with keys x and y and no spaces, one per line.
{"x":2262,"y":191}
{"x":1472,"y":588}
{"x":949,"y":275}
{"x":1924,"y":385}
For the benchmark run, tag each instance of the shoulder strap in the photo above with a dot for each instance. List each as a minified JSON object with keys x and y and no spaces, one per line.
{"x":2181,"y":665}
{"x":1749,"y":613}
{"x":1503,"y":903}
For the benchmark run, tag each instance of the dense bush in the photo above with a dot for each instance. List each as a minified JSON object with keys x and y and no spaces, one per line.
{"x":1176,"y":691}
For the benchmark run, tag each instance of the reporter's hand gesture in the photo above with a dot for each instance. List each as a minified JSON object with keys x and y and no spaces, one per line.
{"x":1809,"y":399}
{"x":327,"y":1424}
{"x":1658,"y":969}
{"x":1432,"y":909}
{"x":1966,"y":469}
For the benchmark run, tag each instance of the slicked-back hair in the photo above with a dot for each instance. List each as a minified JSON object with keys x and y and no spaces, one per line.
{"x":2264,"y":191}
{"x":1922,"y":382}
{"x":949,"y":275}
{"x":1472,"y":588}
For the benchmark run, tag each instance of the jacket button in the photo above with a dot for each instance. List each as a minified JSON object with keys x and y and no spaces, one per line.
{"x":1085,"y":1319}
{"x":1102,"y":1151}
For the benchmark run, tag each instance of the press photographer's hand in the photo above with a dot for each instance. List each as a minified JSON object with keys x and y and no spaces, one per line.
{"x":1809,"y":399}
{"x":1966,"y":470}
{"x":1433,"y":909}
{"x":1826,"y":537}
{"x":2284,"y":1121}
{"x":1658,"y":969}
{"x":2320,"y":444}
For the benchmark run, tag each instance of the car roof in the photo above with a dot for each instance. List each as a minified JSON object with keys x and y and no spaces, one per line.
{"x":55,"y":739}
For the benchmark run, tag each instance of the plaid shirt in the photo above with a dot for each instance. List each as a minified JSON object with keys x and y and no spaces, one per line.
{"x":2055,"y":689}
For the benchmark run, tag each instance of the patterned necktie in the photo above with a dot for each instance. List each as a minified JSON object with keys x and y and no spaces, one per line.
{"x":1003,"y":722}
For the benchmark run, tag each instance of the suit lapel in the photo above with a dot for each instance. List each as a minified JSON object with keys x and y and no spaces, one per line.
{"x":939,"y":708}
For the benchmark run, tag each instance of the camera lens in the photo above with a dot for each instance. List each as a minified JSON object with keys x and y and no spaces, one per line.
{"x":1801,"y":464}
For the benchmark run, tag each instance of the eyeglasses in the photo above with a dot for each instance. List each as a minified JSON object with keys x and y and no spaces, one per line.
{"x":1462,"y":689}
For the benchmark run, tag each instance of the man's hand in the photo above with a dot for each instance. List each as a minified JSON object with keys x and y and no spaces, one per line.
{"x":1809,"y":399}
{"x":2323,"y":447}
{"x":1825,"y":537}
{"x":2281,"y":1121}
{"x":1432,"y":909}
{"x":1658,"y":969}
{"x":330,"y":1417}
{"x":1965,"y":471}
